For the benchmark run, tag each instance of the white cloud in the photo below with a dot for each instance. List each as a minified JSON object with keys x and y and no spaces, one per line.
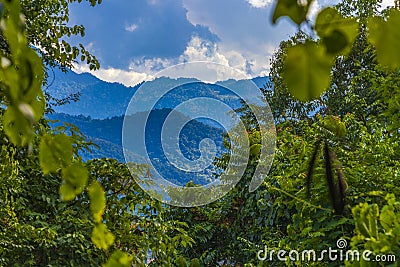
{"x":198,"y":49}
{"x":259,"y":3}
{"x":387,"y":3}
{"x":240,"y":36}
{"x":255,"y":63}
{"x":246,"y":39}
{"x":127,"y":78}
{"x":150,"y":65}
{"x":246,"y":35}
{"x":202,"y":50}
{"x":236,"y":60}
{"x":205,"y":51}
{"x":314,"y":9}
{"x":132,"y":27}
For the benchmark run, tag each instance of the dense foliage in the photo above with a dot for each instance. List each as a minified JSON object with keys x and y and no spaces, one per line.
{"x":347,"y":100}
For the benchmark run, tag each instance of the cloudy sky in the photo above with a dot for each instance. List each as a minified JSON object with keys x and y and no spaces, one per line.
{"x":134,"y":39}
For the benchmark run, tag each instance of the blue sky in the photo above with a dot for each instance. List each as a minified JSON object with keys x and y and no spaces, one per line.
{"x":134,"y":39}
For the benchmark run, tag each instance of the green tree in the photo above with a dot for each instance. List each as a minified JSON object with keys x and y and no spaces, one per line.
{"x":22,"y":125}
{"x":344,"y":109}
{"x":38,"y":229}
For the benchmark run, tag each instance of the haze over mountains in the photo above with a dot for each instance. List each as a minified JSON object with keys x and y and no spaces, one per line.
{"x":99,"y":99}
{"x":100,"y":110}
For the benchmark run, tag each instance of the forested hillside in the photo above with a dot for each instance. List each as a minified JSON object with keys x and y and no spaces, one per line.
{"x":331,"y":197}
{"x":106,"y":135}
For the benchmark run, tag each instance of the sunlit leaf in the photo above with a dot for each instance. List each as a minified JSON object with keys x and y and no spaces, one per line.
{"x":119,"y":259}
{"x":385,"y":36}
{"x":337,"y":33}
{"x":335,"y":125}
{"x":291,"y":8}
{"x":10,"y":74}
{"x":307,"y":71}
{"x":33,"y":73}
{"x":11,"y":27}
{"x":67,"y":192}
{"x":55,"y":152}
{"x":38,"y":105}
{"x":97,"y":200}
{"x":102,"y":237}
{"x":387,"y":218}
{"x":17,"y":127}
{"x":76,"y":175}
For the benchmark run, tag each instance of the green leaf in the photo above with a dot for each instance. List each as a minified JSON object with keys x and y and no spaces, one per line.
{"x":17,"y":127}
{"x":12,"y":27}
{"x":255,"y":150}
{"x":373,"y":214}
{"x":32,"y":73}
{"x":391,"y":199}
{"x":387,"y":218}
{"x":37,"y":104}
{"x":365,"y":218}
{"x":335,"y":125}
{"x":291,"y":8}
{"x":195,"y":263}
{"x":119,"y":259}
{"x":335,"y":42}
{"x":76,"y":176}
{"x":307,"y":70}
{"x":385,"y":35}
{"x":102,"y":237}
{"x":337,"y":33}
{"x":55,"y":152}
{"x":67,"y":192}
{"x":181,"y":262}
{"x":97,"y":200}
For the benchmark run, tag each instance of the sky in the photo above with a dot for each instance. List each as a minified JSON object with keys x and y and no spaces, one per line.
{"x":135,"y":39}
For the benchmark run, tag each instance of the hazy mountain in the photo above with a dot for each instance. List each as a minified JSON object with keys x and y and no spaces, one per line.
{"x":107,"y":134}
{"x":99,"y":99}
{"x":101,"y":107}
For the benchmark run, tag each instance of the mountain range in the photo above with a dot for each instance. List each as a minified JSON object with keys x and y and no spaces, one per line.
{"x":99,"y":113}
{"x":99,"y":99}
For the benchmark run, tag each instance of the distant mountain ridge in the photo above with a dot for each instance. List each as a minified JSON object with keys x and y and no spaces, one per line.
{"x":100,"y":111}
{"x":107,"y":134}
{"x":99,"y":99}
